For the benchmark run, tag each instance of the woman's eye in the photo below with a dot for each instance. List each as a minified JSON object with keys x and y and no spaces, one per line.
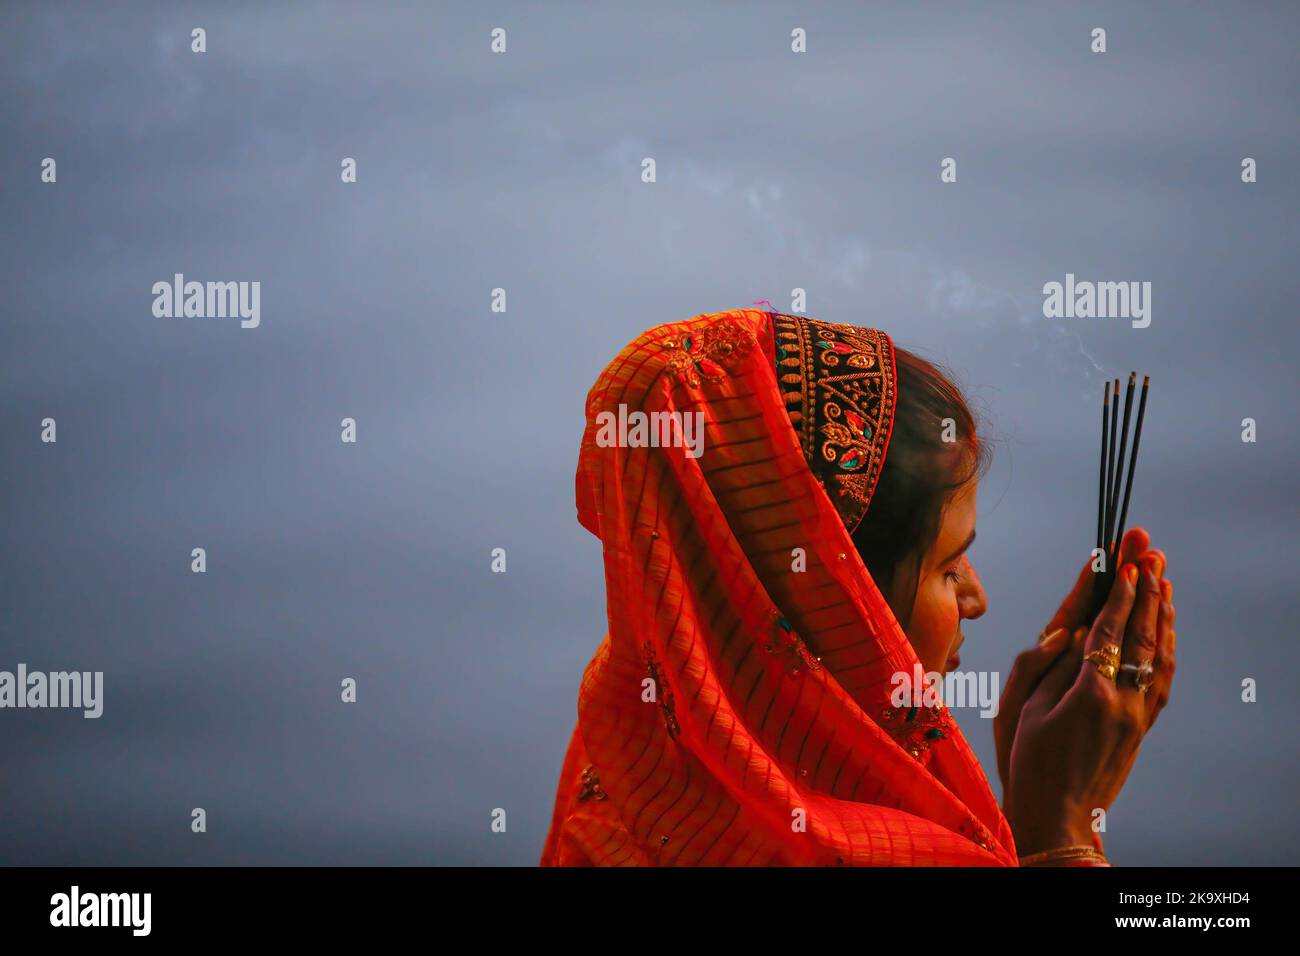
{"x":952,"y":574}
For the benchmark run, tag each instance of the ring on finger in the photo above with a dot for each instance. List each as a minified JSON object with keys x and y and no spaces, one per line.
{"x":1143,"y":675}
{"x":1106,"y":660}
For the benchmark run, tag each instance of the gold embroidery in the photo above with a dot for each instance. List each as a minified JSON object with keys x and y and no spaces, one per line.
{"x":787,"y":644}
{"x":977,"y":833}
{"x":838,"y":383}
{"x":590,"y":785}
{"x":708,"y":353}
{"x":915,"y":728}
{"x":663,"y":695}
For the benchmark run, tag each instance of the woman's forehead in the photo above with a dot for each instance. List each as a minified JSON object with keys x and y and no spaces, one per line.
{"x":959,"y":514}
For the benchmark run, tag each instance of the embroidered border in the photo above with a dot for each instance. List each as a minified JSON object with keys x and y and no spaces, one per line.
{"x":839,"y":384}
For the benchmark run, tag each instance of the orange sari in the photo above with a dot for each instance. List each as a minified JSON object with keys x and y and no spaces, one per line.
{"x":738,"y":711}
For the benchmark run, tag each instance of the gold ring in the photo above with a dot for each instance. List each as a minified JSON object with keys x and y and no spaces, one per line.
{"x":1105,"y":660}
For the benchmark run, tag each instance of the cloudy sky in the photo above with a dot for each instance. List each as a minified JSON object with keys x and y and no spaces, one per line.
{"x":776,"y":171}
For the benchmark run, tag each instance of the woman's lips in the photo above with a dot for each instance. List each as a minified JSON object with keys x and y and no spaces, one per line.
{"x":954,"y":659}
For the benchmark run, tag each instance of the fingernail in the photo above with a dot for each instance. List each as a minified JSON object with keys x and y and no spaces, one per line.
{"x":1130,"y":573}
{"x":1158,"y":566}
{"x":1167,"y":590}
{"x":1054,"y":637}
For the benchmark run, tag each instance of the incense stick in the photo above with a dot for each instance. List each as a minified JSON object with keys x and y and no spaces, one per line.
{"x":1101,"y":468}
{"x":1137,"y":437}
{"x":1110,"y":474}
{"x":1119,"y":472}
{"x":1112,"y":510}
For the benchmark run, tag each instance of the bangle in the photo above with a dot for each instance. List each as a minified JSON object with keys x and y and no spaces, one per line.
{"x":1064,"y":854}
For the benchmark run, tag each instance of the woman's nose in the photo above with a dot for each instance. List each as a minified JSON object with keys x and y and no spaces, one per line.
{"x":972,"y":601}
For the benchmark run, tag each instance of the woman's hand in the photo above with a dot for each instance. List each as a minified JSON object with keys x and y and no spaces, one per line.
{"x":1078,"y":731}
{"x":1031,"y":665}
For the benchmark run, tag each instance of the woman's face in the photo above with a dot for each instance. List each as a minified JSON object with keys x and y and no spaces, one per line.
{"x":948,"y":591}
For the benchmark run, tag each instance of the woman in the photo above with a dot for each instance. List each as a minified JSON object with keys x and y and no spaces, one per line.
{"x":768,"y":590}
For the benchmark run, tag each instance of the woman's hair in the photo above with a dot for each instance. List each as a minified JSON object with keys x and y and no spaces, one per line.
{"x":920,"y":473}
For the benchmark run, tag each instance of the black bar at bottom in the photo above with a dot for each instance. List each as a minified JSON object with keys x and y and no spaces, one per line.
{"x":335,"y":905}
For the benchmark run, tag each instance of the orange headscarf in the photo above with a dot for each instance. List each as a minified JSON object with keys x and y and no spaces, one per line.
{"x":738,"y":711}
